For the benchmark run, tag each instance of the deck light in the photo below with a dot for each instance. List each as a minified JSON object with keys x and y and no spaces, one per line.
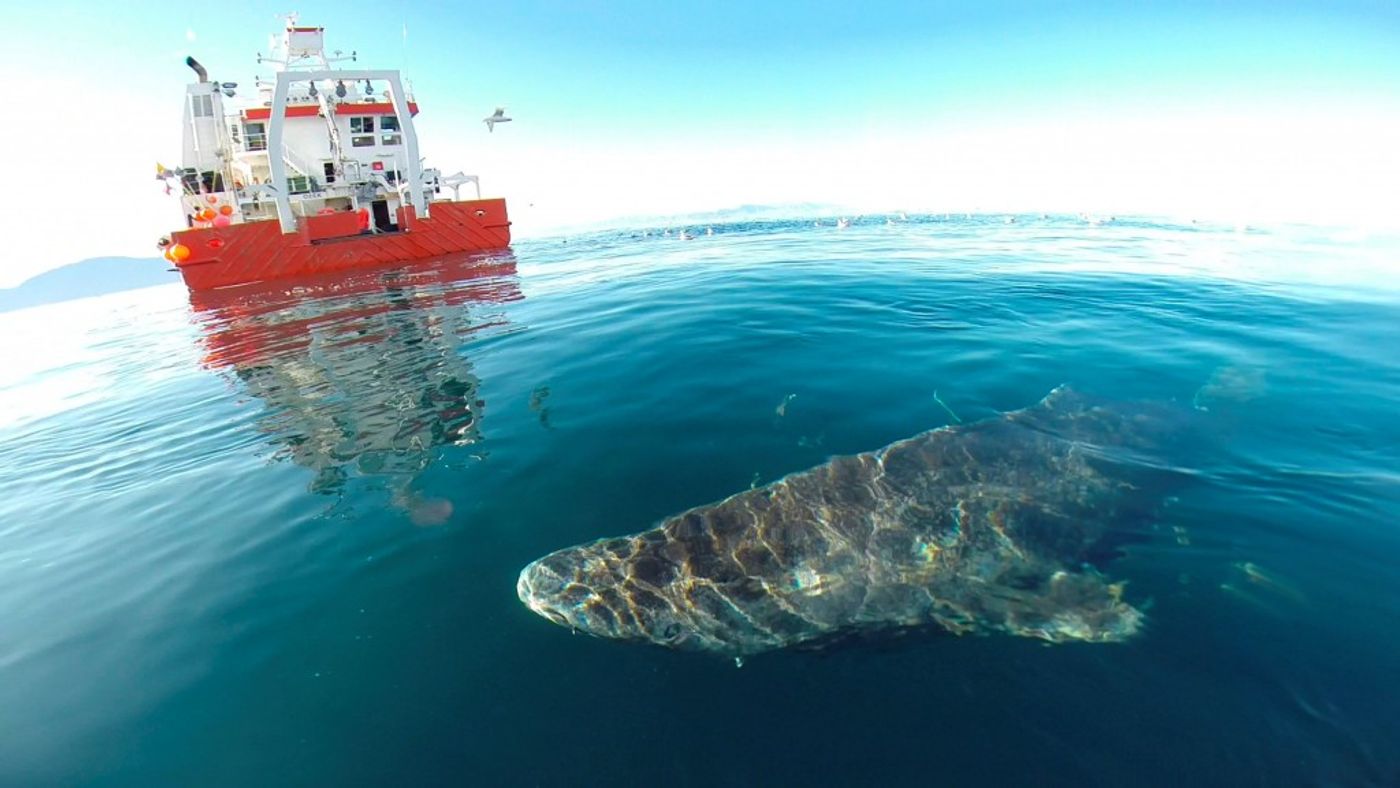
{"x":340,"y":89}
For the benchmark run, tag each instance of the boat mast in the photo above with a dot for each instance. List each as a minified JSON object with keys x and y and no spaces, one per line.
{"x":303,"y":47}
{"x":397,"y":96}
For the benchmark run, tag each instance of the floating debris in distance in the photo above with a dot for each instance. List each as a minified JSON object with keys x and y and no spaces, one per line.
{"x":945,"y":407}
{"x":781,"y":410}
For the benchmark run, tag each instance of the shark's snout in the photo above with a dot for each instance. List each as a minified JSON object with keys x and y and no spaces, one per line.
{"x":593,"y":589}
{"x":539,"y":589}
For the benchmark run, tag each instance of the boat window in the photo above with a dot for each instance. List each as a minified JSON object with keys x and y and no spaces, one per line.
{"x":362,"y":131}
{"x":389,"y":123}
{"x":196,"y":182}
{"x":256,"y":134}
{"x":300,"y":184}
{"x":202,"y":106}
{"x":391,"y":139}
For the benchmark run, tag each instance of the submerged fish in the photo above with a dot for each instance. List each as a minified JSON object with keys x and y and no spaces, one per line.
{"x":980,"y":527}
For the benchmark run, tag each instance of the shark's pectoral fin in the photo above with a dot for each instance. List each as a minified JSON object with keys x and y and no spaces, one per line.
{"x":1061,"y":606}
{"x":1014,"y":548}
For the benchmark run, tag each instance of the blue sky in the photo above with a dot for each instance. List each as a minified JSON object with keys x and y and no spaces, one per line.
{"x":1278,"y":110}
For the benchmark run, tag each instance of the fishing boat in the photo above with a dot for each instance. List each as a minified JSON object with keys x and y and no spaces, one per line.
{"x":318,"y":171}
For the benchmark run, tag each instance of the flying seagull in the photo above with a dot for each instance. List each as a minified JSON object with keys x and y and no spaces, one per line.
{"x":498,"y":117}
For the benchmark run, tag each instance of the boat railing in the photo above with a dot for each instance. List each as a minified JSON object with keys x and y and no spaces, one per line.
{"x":297,"y":163}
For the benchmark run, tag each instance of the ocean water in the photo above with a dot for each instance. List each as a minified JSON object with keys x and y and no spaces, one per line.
{"x":271,"y":535}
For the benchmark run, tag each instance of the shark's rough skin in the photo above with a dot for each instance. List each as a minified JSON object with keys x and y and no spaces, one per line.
{"x":976,"y":528}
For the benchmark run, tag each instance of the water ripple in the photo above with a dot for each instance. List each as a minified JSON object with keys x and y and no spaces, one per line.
{"x":237,"y":527}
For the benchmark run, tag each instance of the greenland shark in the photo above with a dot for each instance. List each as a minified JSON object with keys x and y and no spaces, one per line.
{"x":973,"y":528}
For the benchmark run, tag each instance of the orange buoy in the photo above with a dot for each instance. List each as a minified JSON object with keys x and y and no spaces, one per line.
{"x":167,"y":255}
{"x":206,"y":215}
{"x":212,"y":199}
{"x":222,"y":221}
{"x":179,"y":253}
{"x":226,"y":210}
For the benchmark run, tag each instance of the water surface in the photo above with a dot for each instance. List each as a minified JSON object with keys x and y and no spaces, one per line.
{"x":272,"y":534}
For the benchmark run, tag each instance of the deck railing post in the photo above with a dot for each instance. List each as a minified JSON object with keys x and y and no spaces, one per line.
{"x":276,"y":166}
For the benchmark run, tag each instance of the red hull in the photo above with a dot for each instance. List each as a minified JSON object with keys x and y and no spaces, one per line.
{"x":260,"y":251}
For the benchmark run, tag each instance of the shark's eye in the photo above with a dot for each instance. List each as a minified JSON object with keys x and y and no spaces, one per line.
{"x":672,"y":630}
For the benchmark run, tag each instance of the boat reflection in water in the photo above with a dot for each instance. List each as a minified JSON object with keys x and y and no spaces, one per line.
{"x":363,"y":375}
